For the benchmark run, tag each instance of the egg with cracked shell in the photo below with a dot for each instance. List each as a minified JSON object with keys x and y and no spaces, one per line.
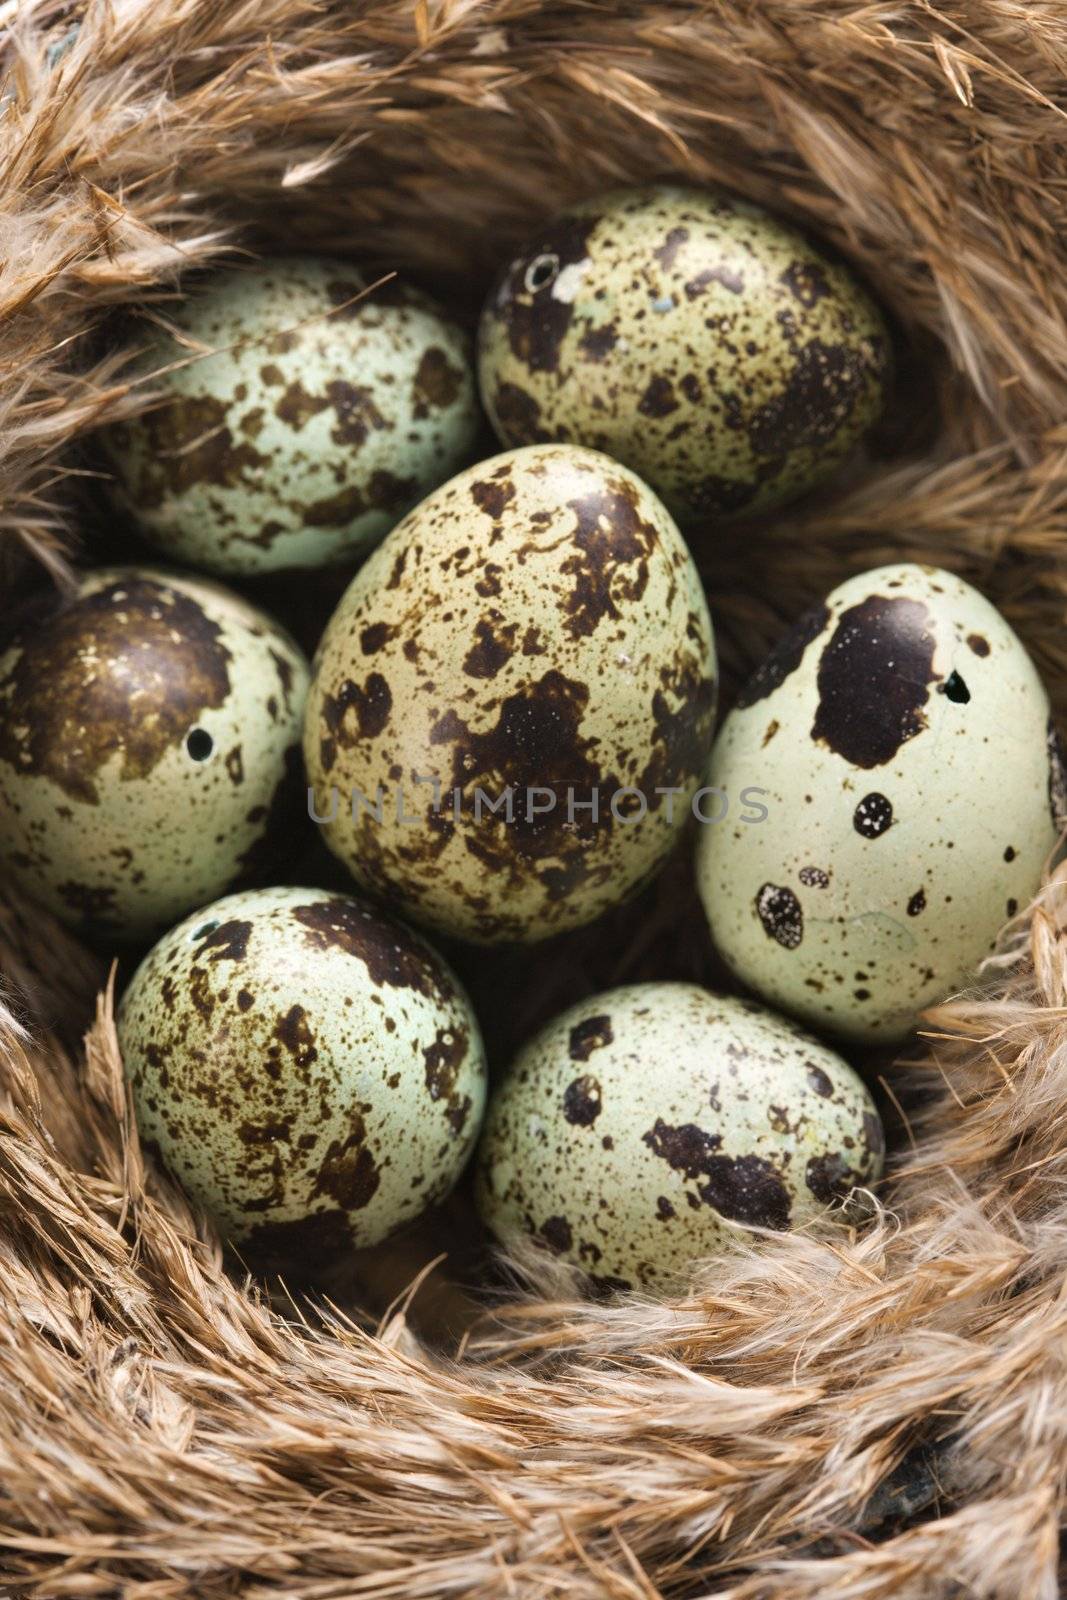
{"x":299,"y":419}
{"x":638,"y":1128}
{"x":149,"y":749}
{"x":713,"y":348}
{"x":307,"y":1068}
{"x":512,"y":706}
{"x":913,"y":788}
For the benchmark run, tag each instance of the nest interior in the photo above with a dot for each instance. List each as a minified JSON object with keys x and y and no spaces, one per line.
{"x":853,"y":1416}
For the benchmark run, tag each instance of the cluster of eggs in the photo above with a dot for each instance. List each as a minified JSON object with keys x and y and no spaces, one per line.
{"x":507,"y":726}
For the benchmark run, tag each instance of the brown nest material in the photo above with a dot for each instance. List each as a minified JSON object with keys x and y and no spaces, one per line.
{"x":879,"y":1414}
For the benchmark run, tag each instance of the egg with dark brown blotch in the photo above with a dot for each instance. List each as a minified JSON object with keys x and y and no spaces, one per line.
{"x":308,"y":1069}
{"x":513,"y":704}
{"x":149,"y":749}
{"x":303,"y":411}
{"x":711,"y":347}
{"x":911,"y":790}
{"x":637,"y":1130}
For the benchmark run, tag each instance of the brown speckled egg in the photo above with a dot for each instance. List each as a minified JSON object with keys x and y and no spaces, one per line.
{"x":910,"y":780}
{"x":632,"y":1131}
{"x":714,"y":349}
{"x":149,"y":749}
{"x":530,"y":643}
{"x":318,"y":419}
{"x":308,"y":1069}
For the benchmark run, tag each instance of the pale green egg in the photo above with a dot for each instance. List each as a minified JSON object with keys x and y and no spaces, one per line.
{"x":310,"y":1070}
{"x":514,"y":701}
{"x":711,"y":347}
{"x":911,"y":781}
{"x":149,"y":749}
{"x":300,"y":418}
{"x":635,"y":1131}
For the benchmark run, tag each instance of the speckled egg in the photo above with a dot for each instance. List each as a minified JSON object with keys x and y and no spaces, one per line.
{"x":308,"y":1069}
{"x":315,"y":423}
{"x":633,"y":1130}
{"x":509,"y":689}
{"x":911,"y":779}
{"x":695,"y":337}
{"x":149,"y":749}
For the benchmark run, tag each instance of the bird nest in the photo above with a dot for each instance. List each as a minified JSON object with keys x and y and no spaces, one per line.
{"x":881,"y":1413}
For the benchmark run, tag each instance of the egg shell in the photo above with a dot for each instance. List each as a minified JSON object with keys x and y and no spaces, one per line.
{"x":537,"y":624}
{"x":901,"y":736}
{"x":711,"y":347}
{"x":310,"y":1070}
{"x":317,"y":421}
{"x":149,"y":749}
{"x":636,"y":1130}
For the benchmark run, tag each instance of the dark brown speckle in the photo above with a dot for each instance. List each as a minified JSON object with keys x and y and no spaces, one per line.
{"x":781,"y":914}
{"x":582,"y":1101}
{"x":592,"y":1033}
{"x":874,"y":679}
{"x":743,"y":1188}
{"x":59,"y":720}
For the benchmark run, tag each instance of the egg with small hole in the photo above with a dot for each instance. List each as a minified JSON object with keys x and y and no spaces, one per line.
{"x":308,"y":1069}
{"x":716,"y":350}
{"x":302,"y":410}
{"x":149,"y":749}
{"x":642,"y":1129}
{"x":913,"y":783}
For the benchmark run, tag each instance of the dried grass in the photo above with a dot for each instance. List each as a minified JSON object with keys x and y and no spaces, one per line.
{"x":789,"y":1427}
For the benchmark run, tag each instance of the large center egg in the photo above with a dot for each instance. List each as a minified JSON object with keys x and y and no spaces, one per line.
{"x":300,"y":417}
{"x":716,"y":350}
{"x":513,"y":704}
{"x":910,"y":781}
{"x":310,"y":1070}
{"x":149,"y":749}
